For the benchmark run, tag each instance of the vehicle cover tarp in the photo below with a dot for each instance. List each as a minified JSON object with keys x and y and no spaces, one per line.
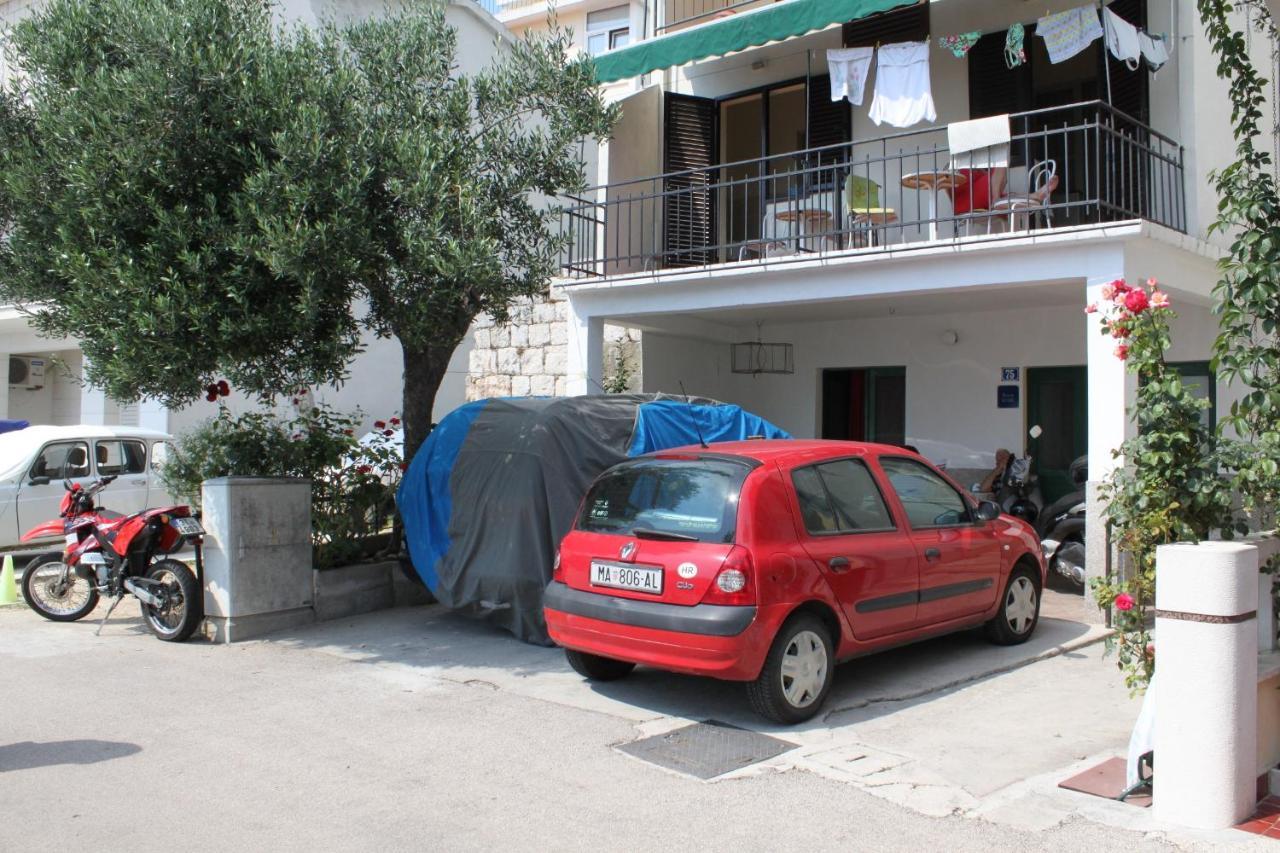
{"x":12,"y":426}
{"x":495,"y":487}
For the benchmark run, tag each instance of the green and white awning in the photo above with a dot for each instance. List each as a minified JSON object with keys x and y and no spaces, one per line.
{"x":736,"y":32}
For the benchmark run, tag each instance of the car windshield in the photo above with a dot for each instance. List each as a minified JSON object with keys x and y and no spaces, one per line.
{"x":683,"y":499}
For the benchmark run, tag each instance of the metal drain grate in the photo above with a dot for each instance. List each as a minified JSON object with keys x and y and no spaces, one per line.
{"x":707,"y":749}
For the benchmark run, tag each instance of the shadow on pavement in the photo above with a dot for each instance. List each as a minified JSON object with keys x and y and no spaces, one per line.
{"x":27,"y":755}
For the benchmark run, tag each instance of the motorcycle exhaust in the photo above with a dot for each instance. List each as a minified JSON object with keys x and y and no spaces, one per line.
{"x":143,"y":594}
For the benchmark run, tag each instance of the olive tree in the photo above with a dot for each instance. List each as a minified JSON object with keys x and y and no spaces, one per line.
{"x":196,"y":191}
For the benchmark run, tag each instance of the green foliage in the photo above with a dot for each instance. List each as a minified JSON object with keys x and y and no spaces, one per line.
{"x":1169,"y":489}
{"x":619,"y":379}
{"x":353,"y":484}
{"x":1248,"y":293}
{"x":196,"y":192}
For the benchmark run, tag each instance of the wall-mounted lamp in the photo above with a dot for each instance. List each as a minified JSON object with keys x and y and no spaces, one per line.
{"x":951,"y":337}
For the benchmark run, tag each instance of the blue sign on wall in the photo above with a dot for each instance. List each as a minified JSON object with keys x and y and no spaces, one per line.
{"x":1008,"y":374}
{"x":1007,"y":396}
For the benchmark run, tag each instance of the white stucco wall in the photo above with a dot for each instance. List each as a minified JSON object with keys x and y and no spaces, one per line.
{"x":951,"y":389}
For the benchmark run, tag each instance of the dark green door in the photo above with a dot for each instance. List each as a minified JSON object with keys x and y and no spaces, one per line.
{"x":1057,"y":401}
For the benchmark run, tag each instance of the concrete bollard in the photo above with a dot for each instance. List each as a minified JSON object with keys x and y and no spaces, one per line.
{"x":1207,"y":703}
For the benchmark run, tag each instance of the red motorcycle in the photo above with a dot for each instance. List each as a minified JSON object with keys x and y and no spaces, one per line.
{"x":110,"y":554}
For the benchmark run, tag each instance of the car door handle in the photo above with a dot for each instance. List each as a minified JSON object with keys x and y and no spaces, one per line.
{"x":141,"y":482}
{"x":838,"y":564}
{"x":932,"y":554}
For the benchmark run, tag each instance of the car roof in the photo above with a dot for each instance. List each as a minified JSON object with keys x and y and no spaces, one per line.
{"x":788,"y":451}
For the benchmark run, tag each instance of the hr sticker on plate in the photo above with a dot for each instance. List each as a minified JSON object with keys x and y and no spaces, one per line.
{"x":687,"y":570}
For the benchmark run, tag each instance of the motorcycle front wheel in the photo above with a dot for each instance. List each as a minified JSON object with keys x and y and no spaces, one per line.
{"x":183,"y":606}
{"x":56,"y":592}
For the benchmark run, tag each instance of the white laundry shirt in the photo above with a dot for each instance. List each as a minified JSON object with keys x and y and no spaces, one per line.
{"x":904,"y":90}
{"x":849,"y":69}
{"x":1067,"y":33}
{"x":1122,"y":39}
{"x":1154,"y":50}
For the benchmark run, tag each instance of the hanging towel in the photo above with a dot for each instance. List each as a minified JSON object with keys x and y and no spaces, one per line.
{"x":1122,"y":39}
{"x":1067,"y":33}
{"x":904,"y":92}
{"x":1015,"y":52}
{"x":848,"y":70}
{"x":1154,"y":50}
{"x":961,"y":44}
{"x":982,"y":143}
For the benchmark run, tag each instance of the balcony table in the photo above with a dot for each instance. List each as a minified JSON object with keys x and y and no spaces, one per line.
{"x":933,"y":181}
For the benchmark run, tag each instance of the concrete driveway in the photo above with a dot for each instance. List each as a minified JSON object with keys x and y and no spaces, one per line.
{"x":418,"y":728}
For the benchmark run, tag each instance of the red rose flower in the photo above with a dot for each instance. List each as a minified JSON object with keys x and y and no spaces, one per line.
{"x":223,"y":388}
{"x":379,"y":424}
{"x":364,"y":469}
{"x":388,"y":433}
{"x":404,"y":466}
{"x":348,"y":432}
{"x":1122,"y":352}
{"x":1120,"y":331}
{"x":1120,"y":286}
{"x":1136,"y":301}
{"x":212,"y":396}
{"x":1124,"y":601}
{"x":395,"y":422}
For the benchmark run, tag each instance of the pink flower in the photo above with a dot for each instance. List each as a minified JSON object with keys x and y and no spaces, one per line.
{"x":1108,"y":292}
{"x":1120,"y":286}
{"x":1136,"y":301}
{"x":1159,"y":299}
{"x":1122,"y":352}
{"x":1091,"y":308}
{"x":1120,"y":332}
{"x":1152,"y":283}
{"x":1124,"y":601}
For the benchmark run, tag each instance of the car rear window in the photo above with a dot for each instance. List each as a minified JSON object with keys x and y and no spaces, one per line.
{"x":693,"y":498}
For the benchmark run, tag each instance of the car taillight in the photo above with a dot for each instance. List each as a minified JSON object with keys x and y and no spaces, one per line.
{"x":735,"y":583}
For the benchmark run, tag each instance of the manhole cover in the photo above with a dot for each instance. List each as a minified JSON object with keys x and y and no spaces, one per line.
{"x":707,"y":749}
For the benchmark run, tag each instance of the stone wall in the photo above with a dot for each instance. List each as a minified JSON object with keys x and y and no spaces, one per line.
{"x":529,"y":355}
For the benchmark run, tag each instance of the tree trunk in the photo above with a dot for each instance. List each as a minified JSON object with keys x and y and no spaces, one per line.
{"x":424,"y":369}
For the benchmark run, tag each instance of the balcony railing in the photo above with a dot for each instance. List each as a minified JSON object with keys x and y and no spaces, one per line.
{"x":1091,"y":164}
{"x":677,"y":14}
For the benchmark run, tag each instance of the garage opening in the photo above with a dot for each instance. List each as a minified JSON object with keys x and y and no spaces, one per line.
{"x":865,"y":404}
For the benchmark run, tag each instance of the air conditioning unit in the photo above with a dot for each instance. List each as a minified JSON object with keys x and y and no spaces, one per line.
{"x":26,"y":372}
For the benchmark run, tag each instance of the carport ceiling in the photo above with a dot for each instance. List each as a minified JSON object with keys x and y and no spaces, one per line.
{"x":1069,"y":292}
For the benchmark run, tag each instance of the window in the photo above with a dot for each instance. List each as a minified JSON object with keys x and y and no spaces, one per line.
{"x":608,"y":29}
{"x":840,"y":497}
{"x":120,"y":457}
{"x":160,"y":451}
{"x":686,"y":498}
{"x":1199,"y":379}
{"x":61,"y":461}
{"x":929,"y":500}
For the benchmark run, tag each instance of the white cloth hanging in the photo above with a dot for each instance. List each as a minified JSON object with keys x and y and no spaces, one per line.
{"x":1067,"y":33}
{"x":1154,"y":50}
{"x":981,"y":143}
{"x":1122,"y":39}
{"x":904,"y":90}
{"x":849,"y":68}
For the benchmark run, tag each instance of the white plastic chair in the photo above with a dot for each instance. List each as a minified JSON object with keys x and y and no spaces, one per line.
{"x":1042,"y":180}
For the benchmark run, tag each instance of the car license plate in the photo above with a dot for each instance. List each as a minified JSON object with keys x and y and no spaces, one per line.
{"x":188,"y":526}
{"x":626,"y":576}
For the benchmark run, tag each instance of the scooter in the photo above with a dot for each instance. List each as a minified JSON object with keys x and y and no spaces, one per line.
{"x":1061,"y":529}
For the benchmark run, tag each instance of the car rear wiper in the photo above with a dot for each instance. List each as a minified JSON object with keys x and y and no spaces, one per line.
{"x":649,"y":533}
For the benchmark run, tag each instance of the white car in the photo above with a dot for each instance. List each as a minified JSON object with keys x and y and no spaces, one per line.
{"x":35,"y":461}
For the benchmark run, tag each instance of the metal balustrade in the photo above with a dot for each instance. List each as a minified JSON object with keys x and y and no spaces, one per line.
{"x":677,"y":14}
{"x":868,"y":195}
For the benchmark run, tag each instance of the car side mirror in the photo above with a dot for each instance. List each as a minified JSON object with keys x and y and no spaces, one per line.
{"x":988,"y":511}
{"x":38,"y":481}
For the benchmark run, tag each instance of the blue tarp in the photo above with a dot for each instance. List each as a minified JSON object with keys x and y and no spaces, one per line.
{"x":13,"y":426}
{"x":423,"y":498}
{"x":664,"y":424}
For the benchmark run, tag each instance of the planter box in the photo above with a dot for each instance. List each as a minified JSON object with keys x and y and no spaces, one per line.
{"x":257,"y":556}
{"x":352,"y":590}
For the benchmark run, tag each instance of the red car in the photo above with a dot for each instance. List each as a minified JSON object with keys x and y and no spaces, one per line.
{"x":771,"y":561}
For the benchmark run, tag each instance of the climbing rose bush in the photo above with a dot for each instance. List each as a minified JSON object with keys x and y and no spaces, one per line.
{"x":1169,"y":489}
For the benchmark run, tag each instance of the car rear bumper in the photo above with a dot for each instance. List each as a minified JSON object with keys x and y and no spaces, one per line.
{"x":715,"y":640}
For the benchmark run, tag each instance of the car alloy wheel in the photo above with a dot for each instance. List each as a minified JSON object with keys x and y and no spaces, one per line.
{"x":804,"y":669}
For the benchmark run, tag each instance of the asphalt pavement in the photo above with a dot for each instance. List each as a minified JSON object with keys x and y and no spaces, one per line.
{"x":419,"y":729}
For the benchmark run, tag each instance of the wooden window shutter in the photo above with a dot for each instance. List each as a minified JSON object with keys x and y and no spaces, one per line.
{"x":1129,"y":89}
{"x":994,"y":88}
{"x":830,"y":122}
{"x":688,"y":209}
{"x":909,"y":23}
